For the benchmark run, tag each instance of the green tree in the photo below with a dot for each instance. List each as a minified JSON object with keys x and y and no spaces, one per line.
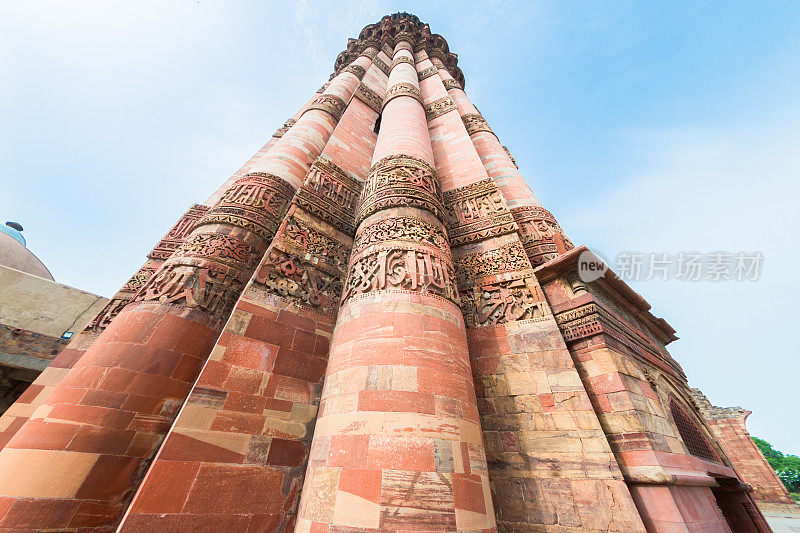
{"x":786,"y":466}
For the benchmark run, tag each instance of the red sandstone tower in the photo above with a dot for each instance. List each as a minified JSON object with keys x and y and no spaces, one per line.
{"x":374,"y":325}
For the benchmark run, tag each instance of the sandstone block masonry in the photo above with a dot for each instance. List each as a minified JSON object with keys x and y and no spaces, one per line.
{"x":373,"y":326}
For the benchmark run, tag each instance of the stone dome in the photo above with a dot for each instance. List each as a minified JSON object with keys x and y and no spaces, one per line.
{"x":14,"y":254}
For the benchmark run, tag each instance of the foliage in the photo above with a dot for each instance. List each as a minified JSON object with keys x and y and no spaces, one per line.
{"x":786,"y":466}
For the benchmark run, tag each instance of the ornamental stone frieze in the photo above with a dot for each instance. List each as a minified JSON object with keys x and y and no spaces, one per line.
{"x":476,"y":123}
{"x":439,"y":107}
{"x":476,"y":212}
{"x":402,"y":89}
{"x":369,"y":97}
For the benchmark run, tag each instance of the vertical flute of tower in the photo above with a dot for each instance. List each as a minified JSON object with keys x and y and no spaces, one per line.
{"x":519,"y":361}
{"x":16,"y":415}
{"x":249,"y":417}
{"x":397,"y":434}
{"x":108,"y":415}
{"x":542,"y":236}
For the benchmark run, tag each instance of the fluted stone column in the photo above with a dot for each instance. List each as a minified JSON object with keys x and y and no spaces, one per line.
{"x":84,"y":451}
{"x":542,"y":237}
{"x":397,"y":444}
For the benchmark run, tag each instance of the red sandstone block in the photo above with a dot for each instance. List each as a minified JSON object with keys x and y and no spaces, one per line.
{"x":270,"y":331}
{"x":238,"y":422}
{"x":348,"y":450}
{"x":304,"y":341}
{"x":256,"y":310}
{"x":90,"y":439}
{"x":296,"y":321}
{"x":299,"y":365}
{"x":143,"y":404}
{"x":67,"y":358}
{"x":214,"y":374}
{"x":144,"y":445}
{"x":166,"y":487}
{"x":468,"y":492}
{"x":103,"y":398}
{"x":278,"y":405}
{"x":37,"y":514}
{"x":243,"y":380}
{"x":606,"y":383}
{"x":266,"y":523}
{"x":321,"y":346}
{"x":30,"y":393}
{"x":218,"y":523}
{"x":400,"y":453}
{"x":396,"y":401}
{"x":38,"y":434}
{"x":250,"y":353}
{"x":188,"y":369}
{"x":65,"y":395}
{"x":95,"y":514}
{"x":159,"y":386}
{"x":287,"y":452}
{"x":245,"y":403}
{"x":361,"y":482}
{"x":231,"y":489}
{"x":110,"y":478}
{"x":179,"y":447}
{"x":290,"y":389}
{"x":98,"y":416}
{"x":443,"y":383}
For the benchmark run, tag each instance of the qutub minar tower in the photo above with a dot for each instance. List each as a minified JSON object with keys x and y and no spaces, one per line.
{"x":373,"y":325}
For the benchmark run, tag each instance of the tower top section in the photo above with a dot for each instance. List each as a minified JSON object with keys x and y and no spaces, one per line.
{"x":400,"y":27}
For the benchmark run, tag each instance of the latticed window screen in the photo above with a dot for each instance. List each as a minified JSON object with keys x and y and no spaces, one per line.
{"x":692,"y":438}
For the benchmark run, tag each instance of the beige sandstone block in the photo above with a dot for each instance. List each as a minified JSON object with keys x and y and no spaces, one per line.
{"x":195,"y":417}
{"x":235,"y":442}
{"x":404,"y":378}
{"x":354,"y":511}
{"x":43,"y":473}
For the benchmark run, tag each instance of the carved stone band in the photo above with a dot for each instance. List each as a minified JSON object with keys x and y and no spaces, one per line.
{"x":255,"y":202}
{"x":378,"y":62}
{"x":403,"y":42}
{"x":426,"y":73}
{"x":369,"y":97}
{"x":370,"y":50}
{"x":451,"y":84}
{"x":357,"y":70}
{"x":400,"y":181}
{"x":476,"y":212}
{"x":329,"y":103}
{"x":283,"y":129}
{"x":402,"y":89}
{"x":404,"y":268}
{"x":504,"y":301}
{"x":402,"y":59}
{"x":178,"y":233}
{"x":439,"y":107}
{"x":475,"y":123}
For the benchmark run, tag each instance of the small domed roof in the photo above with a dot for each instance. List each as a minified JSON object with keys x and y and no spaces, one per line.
{"x":14,"y":253}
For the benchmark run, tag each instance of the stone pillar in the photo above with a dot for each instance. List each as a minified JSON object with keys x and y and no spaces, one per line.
{"x":248,"y":420}
{"x":81,"y":455}
{"x":541,"y":235}
{"x":397,"y":444}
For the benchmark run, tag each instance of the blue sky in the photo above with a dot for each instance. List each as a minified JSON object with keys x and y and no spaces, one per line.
{"x":644,"y":126}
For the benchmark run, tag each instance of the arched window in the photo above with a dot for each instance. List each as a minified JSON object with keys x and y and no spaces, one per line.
{"x":692,"y":437}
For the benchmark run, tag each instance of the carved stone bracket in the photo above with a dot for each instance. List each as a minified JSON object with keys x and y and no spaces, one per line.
{"x":518,"y":298}
{"x":331,"y":104}
{"x":255,"y":202}
{"x":357,"y":70}
{"x":399,"y":181}
{"x":176,"y":235}
{"x":475,"y":123}
{"x":402,"y":89}
{"x":369,"y":97}
{"x":439,"y":107}
{"x":402,"y":268}
{"x":426,"y":73}
{"x":477,"y":211}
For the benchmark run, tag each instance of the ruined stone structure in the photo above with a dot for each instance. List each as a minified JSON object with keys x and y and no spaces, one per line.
{"x":769,"y":493}
{"x":374,"y":325}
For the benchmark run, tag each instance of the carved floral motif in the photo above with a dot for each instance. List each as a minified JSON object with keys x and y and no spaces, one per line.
{"x":404,"y":229}
{"x":381,"y":65}
{"x":402,"y":59}
{"x":369,"y":97}
{"x":541,"y":235}
{"x":330,"y":195}
{"x":287,"y":275}
{"x":426,"y":73}
{"x":399,"y":181}
{"x":301,"y":235}
{"x":451,"y":84}
{"x":508,"y":258}
{"x":402,"y":89}
{"x":357,"y":70}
